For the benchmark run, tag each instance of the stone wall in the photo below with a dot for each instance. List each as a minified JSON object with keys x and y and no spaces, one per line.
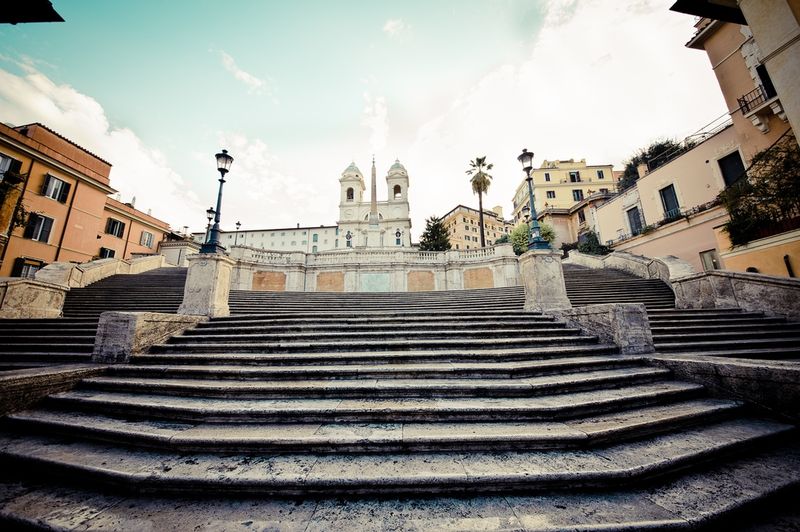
{"x":748,"y":291}
{"x":374,"y":270}
{"x":80,"y":275}
{"x":27,"y":298}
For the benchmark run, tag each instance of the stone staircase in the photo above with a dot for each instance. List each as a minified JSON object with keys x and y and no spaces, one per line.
{"x":713,"y":332}
{"x":46,"y":342}
{"x":451,"y":410}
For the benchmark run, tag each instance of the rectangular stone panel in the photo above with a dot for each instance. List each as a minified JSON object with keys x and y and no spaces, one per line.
{"x":375,"y":282}
{"x":478,"y":278}
{"x":330,"y":282}
{"x":420,"y":281}
{"x":269,"y":281}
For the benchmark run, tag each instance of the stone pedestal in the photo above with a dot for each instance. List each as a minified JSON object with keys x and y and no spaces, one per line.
{"x":543,"y":279}
{"x":26,"y":298}
{"x":624,"y":324}
{"x":208,"y":285}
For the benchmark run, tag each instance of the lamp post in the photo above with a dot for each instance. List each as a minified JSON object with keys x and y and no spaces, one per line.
{"x":223,"y":165}
{"x":209,"y":216}
{"x":236,"y":238}
{"x":535,"y":240}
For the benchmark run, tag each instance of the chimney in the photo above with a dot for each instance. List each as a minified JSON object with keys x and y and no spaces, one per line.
{"x":641,"y":170}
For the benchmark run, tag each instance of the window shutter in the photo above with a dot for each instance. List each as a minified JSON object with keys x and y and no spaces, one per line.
{"x":31,"y":227}
{"x":62,"y":197}
{"x":108,"y":225}
{"x":46,"y":183}
{"x":15,"y":166}
{"x":16,"y":271}
{"x":47,"y":225}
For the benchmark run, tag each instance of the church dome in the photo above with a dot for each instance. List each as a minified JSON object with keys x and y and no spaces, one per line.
{"x":397,"y":168}
{"x":352,"y":171}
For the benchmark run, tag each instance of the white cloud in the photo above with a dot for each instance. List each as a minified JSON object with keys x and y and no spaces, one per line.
{"x":395,"y":27}
{"x":137,"y":169}
{"x":375,"y":117}
{"x":254,"y":85}
{"x":601,"y":80}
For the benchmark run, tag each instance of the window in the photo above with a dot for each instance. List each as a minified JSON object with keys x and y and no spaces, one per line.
{"x":577,"y":195}
{"x":10,"y":165}
{"x":349,"y":244}
{"x":766,"y":82}
{"x":38,"y":228}
{"x":146,"y":239}
{"x":315,"y":237}
{"x":313,"y":249}
{"x":600,"y":174}
{"x":117,"y":228}
{"x":55,"y":188}
{"x":294,"y":242}
{"x":547,"y":176}
{"x":396,"y":241}
{"x":581,"y":217}
{"x":732,"y":168}
{"x":397,"y":191}
{"x":305,"y":242}
{"x":575,"y":177}
{"x":468,"y":238}
{"x":551,"y":194}
{"x":106,"y":253}
{"x":350,"y":194}
{"x":25,"y":267}
{"x":670,"y":202}
{"x":603,"y":191}
{"x":634,"y":220}
{"x":466,"y":228}
{"x":710,"y":260}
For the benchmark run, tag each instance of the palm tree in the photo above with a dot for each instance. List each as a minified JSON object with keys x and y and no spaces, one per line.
{"x":480,"y":185}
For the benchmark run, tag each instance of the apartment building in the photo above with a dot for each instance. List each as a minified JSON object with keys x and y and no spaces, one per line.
{"x":311,"y":239}
{"x":463,"y":226}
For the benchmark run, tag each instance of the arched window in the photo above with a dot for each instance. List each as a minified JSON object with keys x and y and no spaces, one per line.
{"x":397,"y":191}
{"x":350,"y":194}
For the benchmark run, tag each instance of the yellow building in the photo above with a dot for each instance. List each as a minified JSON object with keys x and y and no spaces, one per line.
{"x":463,"y":226}
{"x":562,"y":184}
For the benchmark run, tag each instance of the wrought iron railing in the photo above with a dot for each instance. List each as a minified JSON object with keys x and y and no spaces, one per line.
{"x":752,"y":99}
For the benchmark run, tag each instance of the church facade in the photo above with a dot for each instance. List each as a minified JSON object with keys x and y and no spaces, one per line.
{"x":369,"y":223}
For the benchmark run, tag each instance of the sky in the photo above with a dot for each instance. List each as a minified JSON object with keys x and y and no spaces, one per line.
{"x":296,"y":90}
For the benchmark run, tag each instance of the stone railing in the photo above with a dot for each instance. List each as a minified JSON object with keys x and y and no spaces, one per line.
{"x":666,"y":268}
{"x":80,"y":275}
{"x":22,"y":298}
{"x":748,"y":291}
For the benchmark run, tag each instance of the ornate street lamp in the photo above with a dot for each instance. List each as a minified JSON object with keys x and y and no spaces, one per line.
{"x":223,"y":165}
{"x":209,"y":216}
{"x":535,"y":240}
{"x":236,"y":238}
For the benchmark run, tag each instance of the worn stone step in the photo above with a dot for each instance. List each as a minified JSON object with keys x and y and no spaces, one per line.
{"x":731,"y":345}
{"x":222,"y":335}
{"x":759,"y":326}
{"x":291,"y":369}
{"x":701,"y":313}
{"x":277,"y":318}
{"x":472,"y":354}
{"x":357,"y":437}
{"x":387,"y":473}
{"x":711,"y":334}
{"x":368,"y":345}
{"x":383,"y":388}
{"x":547,"y":407}
{"x":46,"y":347}
{"x":366,"y":325}
{"x":719,"y":322}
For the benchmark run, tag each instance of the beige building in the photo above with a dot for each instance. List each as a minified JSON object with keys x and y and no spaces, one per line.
{"x":562,"y":184}
{"x":463,"y":226}
{"x":305,"y":239}
{"x":570,"y":223}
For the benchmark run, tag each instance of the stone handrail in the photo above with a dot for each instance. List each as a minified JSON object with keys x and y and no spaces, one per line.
{"x":666,"y":268}
{"x":367,"y":256}
{"x":80,"y":275}
{"x":749,"y":291}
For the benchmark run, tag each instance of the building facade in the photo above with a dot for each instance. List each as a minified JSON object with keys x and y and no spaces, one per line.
{"x":59,"y":199}
{"x":562,"y":184}
{"x":305,"y":239}
{"x":463,"y":226}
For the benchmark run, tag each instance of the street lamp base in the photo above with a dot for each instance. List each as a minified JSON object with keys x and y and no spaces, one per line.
{"x":212,"y":247}
{"x":539,"y":243}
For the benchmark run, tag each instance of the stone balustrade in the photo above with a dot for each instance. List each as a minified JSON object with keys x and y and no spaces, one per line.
{"x":80,"y":275}
{"x":665,"y":268}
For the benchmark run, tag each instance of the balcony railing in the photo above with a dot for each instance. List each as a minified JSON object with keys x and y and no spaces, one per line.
{"x":752,"y":99}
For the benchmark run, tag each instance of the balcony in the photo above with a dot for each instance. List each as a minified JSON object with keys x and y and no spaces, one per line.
{"x":758,"y":104}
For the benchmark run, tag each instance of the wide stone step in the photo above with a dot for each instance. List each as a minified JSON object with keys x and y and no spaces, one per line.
{"x":45,"y":347}
{"x":718,"y":322}
{"x":384,"y":388}
{"x":739,"y":334}
{"x":334,"y":316}
{"x":730,"y":345}
{"x":224,"y":334}
{"x":371,"y":368}
{"x":485,"y":354}
{"x":701,"y":313}
{"x":357,"y":437}
{"x":284,"y":475}
{"x":367,"y":345}
{"x":783,"y":352}
{"x":686,"y":501}
{"x":759,"y":326}
{"x":547,"y":407}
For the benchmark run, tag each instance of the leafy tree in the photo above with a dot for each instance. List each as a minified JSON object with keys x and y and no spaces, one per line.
{"x":521,"y":234}
{"x":589,"y":243}
{"x":503,"y":239}
{"x":767,"y":200}
{"x":480,"y":185}
{"x":654,"y":155}
{"x":435,"y":237}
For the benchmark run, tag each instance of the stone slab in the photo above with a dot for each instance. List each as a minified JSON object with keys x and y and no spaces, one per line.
{"x":26,"y":298}
{"x":624,"y":324}
{"x":20,"y":389}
